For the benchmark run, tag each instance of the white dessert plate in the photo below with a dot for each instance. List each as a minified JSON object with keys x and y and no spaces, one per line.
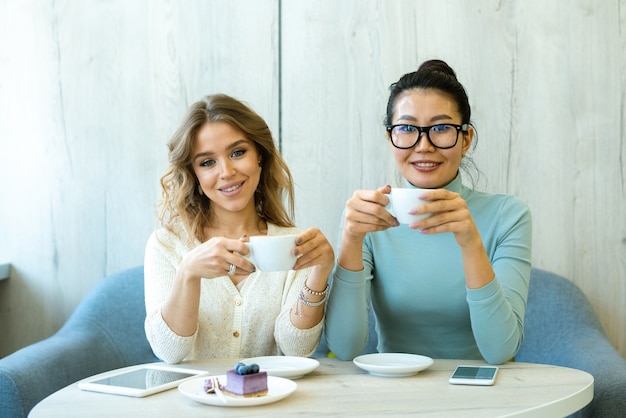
{"x":393,"y":364}
{"x":278,"y":388}
{"x":291,"y":367}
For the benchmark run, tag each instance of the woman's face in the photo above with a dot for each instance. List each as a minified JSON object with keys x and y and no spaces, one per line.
{"x":227,"y":166}
{"x":424,"y":165}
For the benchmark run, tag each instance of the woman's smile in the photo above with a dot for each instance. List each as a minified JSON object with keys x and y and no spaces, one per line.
{"x":425,"y":165}
{"x":231,"y":188}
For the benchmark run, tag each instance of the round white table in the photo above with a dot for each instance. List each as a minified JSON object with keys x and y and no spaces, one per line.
{"x":340,"y":389}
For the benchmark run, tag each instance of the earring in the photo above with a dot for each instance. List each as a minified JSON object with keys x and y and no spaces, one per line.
{"x":260,"y":165}
{"x":200,"y":192}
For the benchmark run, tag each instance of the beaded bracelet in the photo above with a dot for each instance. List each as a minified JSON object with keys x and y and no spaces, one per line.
{"x":315,"y":292}
{"x":307,"y":302}
{"x":302,"y":298}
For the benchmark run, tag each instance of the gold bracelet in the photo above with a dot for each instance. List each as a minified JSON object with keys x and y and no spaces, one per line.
{"x":315,"y":292}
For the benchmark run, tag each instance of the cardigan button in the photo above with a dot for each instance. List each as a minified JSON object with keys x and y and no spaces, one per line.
{"x":236,"y":334}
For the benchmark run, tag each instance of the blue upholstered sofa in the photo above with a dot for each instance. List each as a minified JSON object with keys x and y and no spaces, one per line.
{"x":106,"y":332}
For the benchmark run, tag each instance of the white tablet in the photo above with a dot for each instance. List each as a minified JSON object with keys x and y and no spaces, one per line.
{"x":141,"y":380}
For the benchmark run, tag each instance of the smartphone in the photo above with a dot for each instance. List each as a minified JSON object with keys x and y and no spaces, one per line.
{"x":474,"y":375}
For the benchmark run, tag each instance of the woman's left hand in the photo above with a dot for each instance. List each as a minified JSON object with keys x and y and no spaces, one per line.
{"x":449,"y":214}
{"x":313,"y":250}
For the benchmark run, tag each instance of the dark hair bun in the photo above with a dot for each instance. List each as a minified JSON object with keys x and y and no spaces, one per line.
{"x":437,"y":65}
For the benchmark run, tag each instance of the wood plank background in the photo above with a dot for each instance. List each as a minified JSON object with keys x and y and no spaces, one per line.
{"x":90,"y":92}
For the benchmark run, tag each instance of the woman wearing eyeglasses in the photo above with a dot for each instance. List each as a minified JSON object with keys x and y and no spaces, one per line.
{"x":453,"y":285}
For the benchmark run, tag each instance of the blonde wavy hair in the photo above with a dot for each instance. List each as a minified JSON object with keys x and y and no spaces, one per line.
{"x":182,"y":199}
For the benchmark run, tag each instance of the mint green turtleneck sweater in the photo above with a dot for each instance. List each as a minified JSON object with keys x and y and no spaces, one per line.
{"x":416,"y":286}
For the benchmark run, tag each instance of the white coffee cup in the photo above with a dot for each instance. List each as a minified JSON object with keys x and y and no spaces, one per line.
{"x":403,"y":200}
{"x":273,"y":252}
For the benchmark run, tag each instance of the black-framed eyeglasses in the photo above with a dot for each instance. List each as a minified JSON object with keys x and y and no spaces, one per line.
{"x":441,"y":136}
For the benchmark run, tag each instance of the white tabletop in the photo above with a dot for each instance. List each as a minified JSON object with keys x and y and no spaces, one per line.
{"x":339,"y":388}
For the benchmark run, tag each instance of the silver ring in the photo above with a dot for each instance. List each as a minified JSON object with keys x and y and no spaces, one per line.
{"x":232,"y":269}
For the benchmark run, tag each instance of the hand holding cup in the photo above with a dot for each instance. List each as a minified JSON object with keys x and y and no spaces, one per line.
{"x":403,"y":201}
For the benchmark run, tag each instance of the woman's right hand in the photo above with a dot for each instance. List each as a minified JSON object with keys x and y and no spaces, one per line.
{"x":214,"y":257}
{"x":365,"y":212}
{"x":208,"y":260}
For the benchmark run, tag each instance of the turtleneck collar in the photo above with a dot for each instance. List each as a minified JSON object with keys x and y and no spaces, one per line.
{"x":455,"y":185}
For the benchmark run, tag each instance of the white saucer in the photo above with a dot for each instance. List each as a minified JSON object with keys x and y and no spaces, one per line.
{"x":291,"y":367}
{"x":393,"y":364}
{"x":278,"y":388}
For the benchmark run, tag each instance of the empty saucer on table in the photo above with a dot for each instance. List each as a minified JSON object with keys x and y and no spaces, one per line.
{"x":291,"y":367}
{"x":277,"y":389}
{"x":393,"y":364}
